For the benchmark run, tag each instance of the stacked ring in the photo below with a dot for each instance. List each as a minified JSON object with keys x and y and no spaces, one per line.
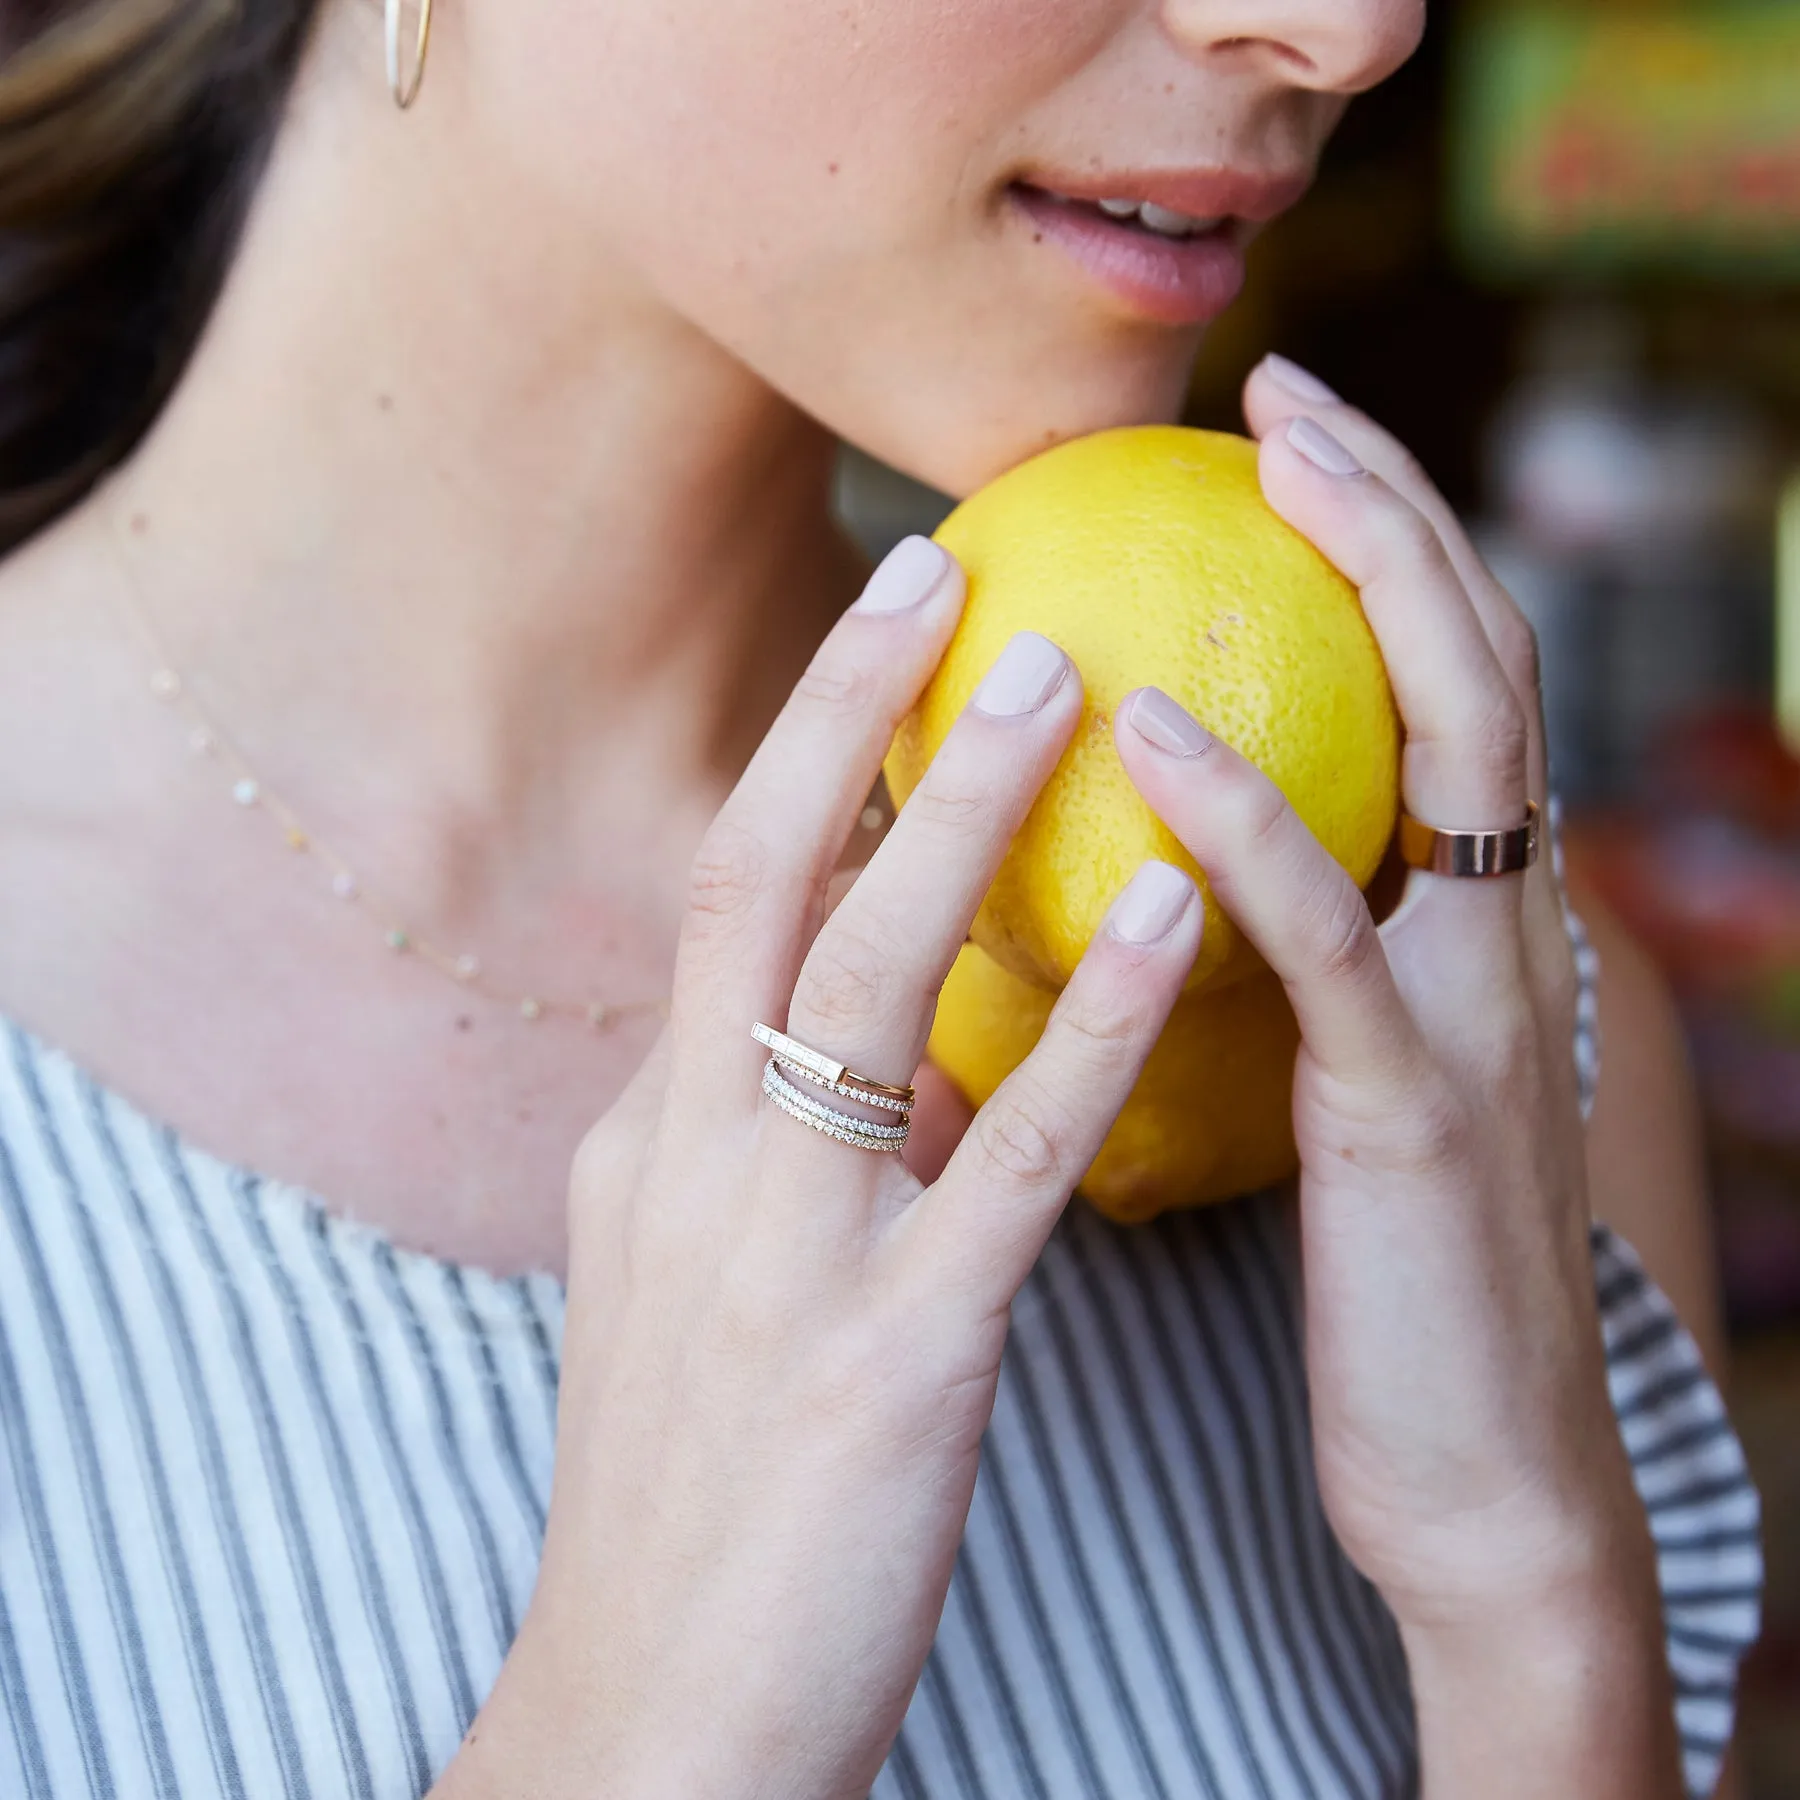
{"x":864,"y":1134}
{"x":795,"y":1058}
{"x":822,"y":1071}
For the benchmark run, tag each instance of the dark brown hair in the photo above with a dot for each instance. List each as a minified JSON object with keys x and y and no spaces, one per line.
{"x":131,"y":134}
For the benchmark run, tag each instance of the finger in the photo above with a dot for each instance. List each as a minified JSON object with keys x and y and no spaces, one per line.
{"x":985,"y":1222}
{"x":1464,"y":763}
{"x":760,"y":878}
{"x":1283,"y":889}
{"x":868,"y":986}
{"x":1278,"y":391}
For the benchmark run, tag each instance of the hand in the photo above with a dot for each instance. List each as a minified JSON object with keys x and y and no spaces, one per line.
{"x":782,"y":1351}
{"x":1466,"y":1448}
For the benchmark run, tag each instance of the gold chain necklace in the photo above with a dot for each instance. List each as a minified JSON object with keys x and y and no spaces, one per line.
{"x":211,"y":743}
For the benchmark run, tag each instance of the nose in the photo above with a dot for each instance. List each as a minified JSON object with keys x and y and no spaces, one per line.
{"x":1332,"y":46}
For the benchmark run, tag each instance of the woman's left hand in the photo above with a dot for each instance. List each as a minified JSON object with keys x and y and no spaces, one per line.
{"x":1466,"y":1447}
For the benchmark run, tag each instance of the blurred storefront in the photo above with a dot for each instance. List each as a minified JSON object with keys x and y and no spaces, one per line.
{"x":1560,"y":256}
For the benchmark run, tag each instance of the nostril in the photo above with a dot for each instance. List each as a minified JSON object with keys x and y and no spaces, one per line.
{"x":1296,"y":59}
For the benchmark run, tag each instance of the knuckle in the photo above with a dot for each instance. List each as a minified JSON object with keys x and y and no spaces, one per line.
{"x":950,"y":808}
{"x":1438,"y":1131}
{"x":728,"y":873}
{"x":1018,"y":1138}
{"x":834,"y":684}
{"x":1101,"y":1025}
{"x":1502,"y":743}
{"x":1562,"y":990}
{"x":1342,"y":930}
{"x":847,"y":976}
{"x":1257,"y":809}
{"x":1412,"y":539}
{"x":1517,"y":1062}
{"x":1516,"y":645}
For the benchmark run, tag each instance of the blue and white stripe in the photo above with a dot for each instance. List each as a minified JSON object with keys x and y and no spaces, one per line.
{"x":272,"y":1494}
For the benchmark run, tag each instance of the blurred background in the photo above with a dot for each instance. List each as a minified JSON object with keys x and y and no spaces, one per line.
{"x":1560,"y":256}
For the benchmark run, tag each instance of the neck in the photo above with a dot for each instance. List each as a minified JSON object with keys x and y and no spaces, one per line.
{"x":498,"y":542}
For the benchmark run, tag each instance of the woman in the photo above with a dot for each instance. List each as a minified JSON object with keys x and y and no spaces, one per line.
{"x":453,"y":592}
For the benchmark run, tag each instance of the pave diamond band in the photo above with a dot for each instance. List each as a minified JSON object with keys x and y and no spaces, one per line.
{"x":824,"y":1071}
{"x":844,"y":1089}
{"x":863,"y":1134}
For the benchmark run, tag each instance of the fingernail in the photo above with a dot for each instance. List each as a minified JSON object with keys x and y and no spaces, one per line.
{"x":905,"y":576}
{"x":1151,"y":905}
{"x":1303,"y":384}
{"x":1321,"y":449}
{"x":1026,"y":673}
{"x":1167,"y":724}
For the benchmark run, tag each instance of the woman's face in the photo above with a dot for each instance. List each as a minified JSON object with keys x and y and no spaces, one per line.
{"x":888,"y":208}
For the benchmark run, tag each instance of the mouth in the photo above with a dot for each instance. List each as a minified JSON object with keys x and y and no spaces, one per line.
{"x":1169,"y":246}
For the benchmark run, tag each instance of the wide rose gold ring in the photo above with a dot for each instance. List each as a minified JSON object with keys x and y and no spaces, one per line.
{"x":1476,"y":853}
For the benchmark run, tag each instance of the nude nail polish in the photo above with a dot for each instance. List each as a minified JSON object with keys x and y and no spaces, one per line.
{"x":906,"y":575}
{"x":1025,"y":674}
{"x":1303,"y":384}
{"x":1166,"y":724}
{"x":1321,"y":449}
{"x":1151,"y":904}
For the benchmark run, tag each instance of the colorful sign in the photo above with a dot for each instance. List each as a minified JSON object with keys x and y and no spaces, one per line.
{"x":1650,"y":139}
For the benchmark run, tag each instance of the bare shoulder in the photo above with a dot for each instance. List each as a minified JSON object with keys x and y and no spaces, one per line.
{"x":1646,"y":1159}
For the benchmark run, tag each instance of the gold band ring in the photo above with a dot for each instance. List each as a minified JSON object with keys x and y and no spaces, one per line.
{"x":1472,"y":853}
{"x":824,"y":1071}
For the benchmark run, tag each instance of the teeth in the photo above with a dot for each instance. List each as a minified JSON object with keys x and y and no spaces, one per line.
{"x":1173,"y":224}
{"x":1118,"y":209}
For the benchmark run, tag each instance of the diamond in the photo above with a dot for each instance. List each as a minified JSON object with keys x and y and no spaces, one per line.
{"x":246,"y":792}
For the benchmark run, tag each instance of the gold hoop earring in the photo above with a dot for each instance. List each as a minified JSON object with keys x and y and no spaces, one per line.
{"x":406,"y":91}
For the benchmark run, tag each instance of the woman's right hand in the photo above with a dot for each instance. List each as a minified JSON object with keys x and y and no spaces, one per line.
{"x":781,"y":1350}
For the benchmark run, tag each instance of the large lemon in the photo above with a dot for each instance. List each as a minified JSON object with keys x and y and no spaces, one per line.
{"x":1150,"y":556}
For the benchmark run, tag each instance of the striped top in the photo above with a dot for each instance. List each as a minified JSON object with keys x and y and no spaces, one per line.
{"x":272,"y":1492}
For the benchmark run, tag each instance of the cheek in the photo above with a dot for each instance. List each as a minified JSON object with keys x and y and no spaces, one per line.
{"x":812,"y":183}
{"x":735,"y":130}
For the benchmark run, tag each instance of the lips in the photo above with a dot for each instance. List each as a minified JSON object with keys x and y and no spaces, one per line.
{"x":1167,"y":245}
{"x":1197,"y":193}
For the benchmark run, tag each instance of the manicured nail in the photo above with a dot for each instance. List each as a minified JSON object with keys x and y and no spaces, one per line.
{"x":1166,"y":724}
{"x":1303,"y":384}
{"x":1151,"y":905}
{"x":909,"y":573}
{"x":1321,"y":449}
{"x":1026,"y":673}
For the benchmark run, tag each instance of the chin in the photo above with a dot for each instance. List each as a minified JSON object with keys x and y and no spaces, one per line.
{"x":957,"y":441}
